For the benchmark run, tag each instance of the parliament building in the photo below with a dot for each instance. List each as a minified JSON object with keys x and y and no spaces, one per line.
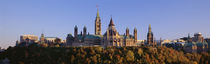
{"x":110,"y":38}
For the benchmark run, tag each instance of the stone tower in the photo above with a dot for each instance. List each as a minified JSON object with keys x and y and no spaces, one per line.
{"x":150,"y":36}
{"x":127,"y":32}
{"x":75,"y":32}
{"x":135,"y":35}
{"x":84,"y":31}
{"x":97,"y":24}
{"x":42,"y":38}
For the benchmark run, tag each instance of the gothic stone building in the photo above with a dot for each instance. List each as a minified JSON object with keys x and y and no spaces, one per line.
{"x":110,"y":38}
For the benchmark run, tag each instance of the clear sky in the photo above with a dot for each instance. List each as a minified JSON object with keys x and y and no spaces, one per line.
{"x":170,"y":19}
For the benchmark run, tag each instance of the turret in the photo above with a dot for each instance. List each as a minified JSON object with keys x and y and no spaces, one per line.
{"x":84,"y":31}
{"x":42,"y":38}
{"x":135,"y":35}
{"x":127,"y":32}
{"x":75,"y":32}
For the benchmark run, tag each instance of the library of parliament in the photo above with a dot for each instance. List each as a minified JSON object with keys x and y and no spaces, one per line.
{"x":110,"y":38}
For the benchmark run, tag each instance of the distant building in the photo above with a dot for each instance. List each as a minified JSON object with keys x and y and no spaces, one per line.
{"x":190,"y":47}
{"x":187,"y":39}
{"x":53,"y":40}
{"x":28,"y":38}
{"x":180,"y":40}
{"x":198,"y":37}
{"x":196,"y":47}
{"x":166,"y":41}
{"x":196,"y":44}
{"x":207,"y":40}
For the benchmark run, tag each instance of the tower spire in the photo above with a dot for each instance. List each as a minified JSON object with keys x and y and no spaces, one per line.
{"x":75,"y":31}
{"x":150,"y":29}
{"x":97,"y":13}
{"x":84,"y":31}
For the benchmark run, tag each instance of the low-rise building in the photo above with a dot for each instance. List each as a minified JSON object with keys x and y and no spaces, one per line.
{"x":28,"y":38}
{"x":53,"y":40}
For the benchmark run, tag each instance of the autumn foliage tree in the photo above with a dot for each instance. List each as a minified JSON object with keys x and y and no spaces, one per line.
{"x":98,"y":55}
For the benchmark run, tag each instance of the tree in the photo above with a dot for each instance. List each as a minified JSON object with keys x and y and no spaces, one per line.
{"x":130,"y":56}
{"x":140,"y":51}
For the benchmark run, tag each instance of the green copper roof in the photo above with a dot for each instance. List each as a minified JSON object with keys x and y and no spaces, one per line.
{"x":90,"y":36}
{"x":69,"y":35}
{"x":125,"y":37}
{"x":197,"y":44}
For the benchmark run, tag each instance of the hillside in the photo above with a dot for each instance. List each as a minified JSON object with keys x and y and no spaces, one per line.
{"x":91,"y":55}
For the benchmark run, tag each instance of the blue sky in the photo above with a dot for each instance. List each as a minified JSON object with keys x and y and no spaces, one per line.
{"x":170,"y":19}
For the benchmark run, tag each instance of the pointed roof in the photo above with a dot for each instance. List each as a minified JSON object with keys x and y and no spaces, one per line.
{"x":135,"y":28}
{"x":75,"y":27}
{"x":85,"y":27}
{"x":111,"y":22}
{"x":97,"y":15}
{"x":150,"y":29}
